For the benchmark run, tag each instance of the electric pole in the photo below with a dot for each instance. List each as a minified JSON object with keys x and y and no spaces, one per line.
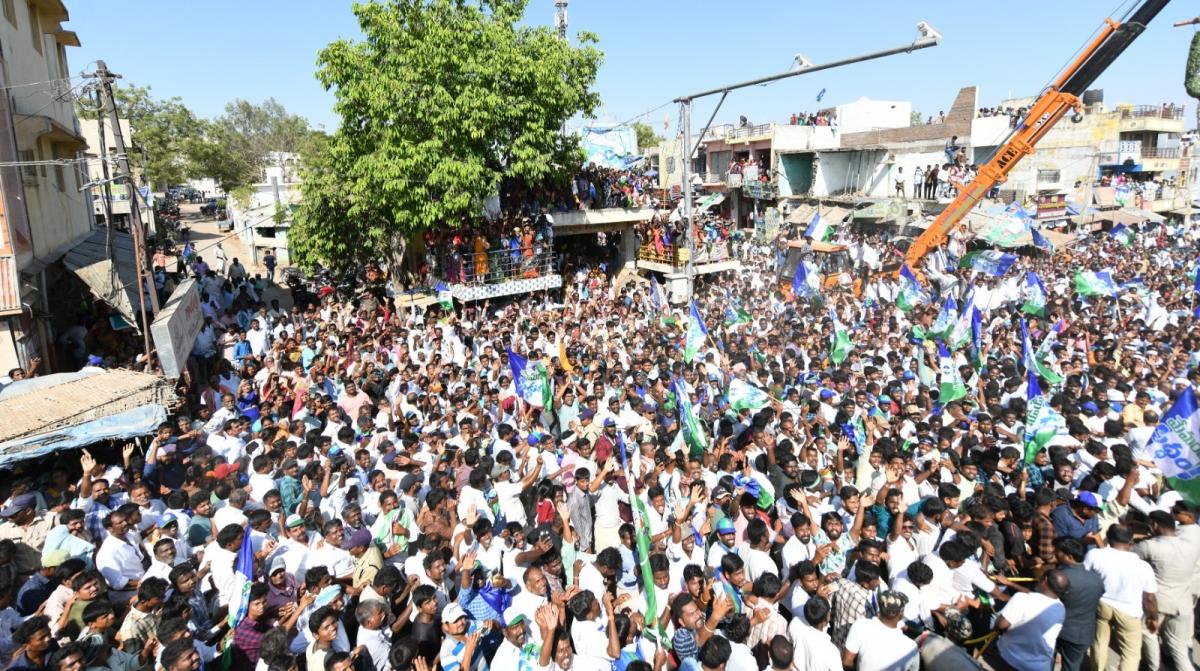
{"x":145,"y":278}
{"x":560,"y":18}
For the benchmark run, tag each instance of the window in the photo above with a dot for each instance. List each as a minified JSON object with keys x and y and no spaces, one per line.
{"x":1048,"y":177}
{"x":62,"y":64}
{"x":29,"y":171}
{"x":35,"y":27}
{"x":10,"y":12}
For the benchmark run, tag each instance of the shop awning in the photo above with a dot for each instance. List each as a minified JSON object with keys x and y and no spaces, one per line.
{"x":67,"y":410}
{"x":801,"y":214}
{"x":711,"y":200}
{"x":111,"y":280}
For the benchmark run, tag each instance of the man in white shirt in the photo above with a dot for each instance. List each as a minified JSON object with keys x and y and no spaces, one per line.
{"x":878,"y":642}
{"x":1030,"y":623}
{"x":814,"y":651}
{"x":1129,"y":593}
{"x":517,"y":628}
{"x":372,"y":635}
{"x":119,"y":561}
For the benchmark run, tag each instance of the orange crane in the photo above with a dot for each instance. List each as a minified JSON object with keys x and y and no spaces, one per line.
{"x":1060,"y":97}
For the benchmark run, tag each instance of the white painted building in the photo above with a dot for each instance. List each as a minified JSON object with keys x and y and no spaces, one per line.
{"x":46,"y":213}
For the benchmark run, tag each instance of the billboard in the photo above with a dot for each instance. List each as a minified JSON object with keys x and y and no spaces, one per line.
{"x":613,"y":147}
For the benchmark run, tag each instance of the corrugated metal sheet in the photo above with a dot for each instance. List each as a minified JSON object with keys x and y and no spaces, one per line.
{"x":112,"y":281}
{"x":10,"y":286}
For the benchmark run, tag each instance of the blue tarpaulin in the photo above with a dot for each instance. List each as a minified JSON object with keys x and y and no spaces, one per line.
{"x":129,"y":424}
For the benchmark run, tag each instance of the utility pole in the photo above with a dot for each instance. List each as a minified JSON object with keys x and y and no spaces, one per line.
{"x":145,"y":278}
{"x":560,"y":18}
{"x":927,"y":37}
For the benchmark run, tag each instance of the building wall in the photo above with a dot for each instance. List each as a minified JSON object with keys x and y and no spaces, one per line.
{"x":34,"y":46}
{"x":89,"y":129}
{"x":58,"y":211}
{"x":865,"y":115}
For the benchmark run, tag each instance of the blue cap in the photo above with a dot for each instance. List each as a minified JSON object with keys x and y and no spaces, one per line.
{"x":610,"y":422}
{"x":1088,"y":499}
{"x":908,"y":375}
{"x":534,"y":438}
{"x":1090,"y":406}
{"x":725,"y":526}
{"x":826,"y":393}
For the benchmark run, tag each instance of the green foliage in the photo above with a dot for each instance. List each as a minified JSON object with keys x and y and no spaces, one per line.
{"x":162,"y":132}
{"x":915,"y":118}
{"x":439,"y":102}
{"x":234,"y":148}
{"x":1191,"y":77}
{"x":646,"y":137}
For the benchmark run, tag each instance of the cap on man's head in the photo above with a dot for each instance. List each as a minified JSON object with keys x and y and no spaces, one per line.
{"x":452,"y":612}
{"x":359,"y":539}
{"x":610,"y":422}
{"x":54,"y":558}
{"x":513,"y":616}
{"x":725,"y":526}
{"x":167,"y":519}
{"x":18,"y":503}
{"x":294,"y":521}
{"x":720,"y":492}
{"x":1088,"y":499}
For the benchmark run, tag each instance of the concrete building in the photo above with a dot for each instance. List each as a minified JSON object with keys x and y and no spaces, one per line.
{"x":263,"y":218}
{"x":45,"y":213}
{"x":119,"y":204}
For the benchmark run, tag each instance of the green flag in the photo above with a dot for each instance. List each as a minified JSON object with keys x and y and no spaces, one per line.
{"x":696,"y":335}
{"x":952,"y":386}
{"x":840,"y":344}
{"x":1035,"y":295}
{"x":1031,"y":361}
{"x":945,"y":320}
{"x":911,"y":293}
{"x":1042,"y":423}
{"x":1099,"y":283}
{"x":743,"y":395}
{"x":693,"y":433}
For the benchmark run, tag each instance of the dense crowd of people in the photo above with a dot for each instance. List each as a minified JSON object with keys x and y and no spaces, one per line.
{"x":590,"y":481}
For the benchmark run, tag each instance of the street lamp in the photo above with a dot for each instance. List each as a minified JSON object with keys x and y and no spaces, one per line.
{"x":927,"y":36}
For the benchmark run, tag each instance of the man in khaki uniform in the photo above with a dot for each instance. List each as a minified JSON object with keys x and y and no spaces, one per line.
{"x":28,"y":529}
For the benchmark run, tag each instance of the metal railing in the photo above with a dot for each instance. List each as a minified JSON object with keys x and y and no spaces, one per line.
{"x":494,"y":266}
{"x":1167,"y":111}
{"x":1160,"y":152}
{"x":676,"y":255}
{"x":750,"y":131}
{"x":715,"y":177}
{"x":718,"y":132}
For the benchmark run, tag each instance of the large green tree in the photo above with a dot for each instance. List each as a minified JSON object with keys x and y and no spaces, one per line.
{"x":646,"y":137}
{"x":162,"y":133}
{"x":235,"y":147}
{"x":440,"y":101}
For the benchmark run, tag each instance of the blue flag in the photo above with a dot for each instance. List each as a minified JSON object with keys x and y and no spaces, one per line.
{"x":1040,"y":241}
{"x":988,"y":262}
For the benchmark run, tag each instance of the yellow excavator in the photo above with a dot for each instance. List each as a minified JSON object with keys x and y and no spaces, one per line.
{"x":1059,"y":98}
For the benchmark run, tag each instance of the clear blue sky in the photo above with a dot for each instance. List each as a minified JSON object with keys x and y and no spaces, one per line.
{"x":211,"y":52}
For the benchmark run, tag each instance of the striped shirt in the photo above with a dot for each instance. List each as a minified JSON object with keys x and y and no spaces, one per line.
{"x":451,"y":655}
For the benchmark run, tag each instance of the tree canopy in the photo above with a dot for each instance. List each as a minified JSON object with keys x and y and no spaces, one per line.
{"x":174,"y":144}
{"x":233,"y":148}
{"x":440,"y":102}
{"x":163,"y":131}
{"x":646,"y":137}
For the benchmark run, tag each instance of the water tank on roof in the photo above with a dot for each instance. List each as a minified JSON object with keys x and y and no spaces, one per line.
{"x":1093,"y":97}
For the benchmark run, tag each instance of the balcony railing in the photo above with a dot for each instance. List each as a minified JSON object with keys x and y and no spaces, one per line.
{"x":676,"y":255}
{"x":1167,"y":111}
{"x":718,"y":132}
{"x":494,"y":266}
{"x":749,"y":131}
{"x":1160,"y":152}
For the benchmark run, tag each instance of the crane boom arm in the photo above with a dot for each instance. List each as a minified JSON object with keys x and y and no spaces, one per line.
{"x":1059,"y":98}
